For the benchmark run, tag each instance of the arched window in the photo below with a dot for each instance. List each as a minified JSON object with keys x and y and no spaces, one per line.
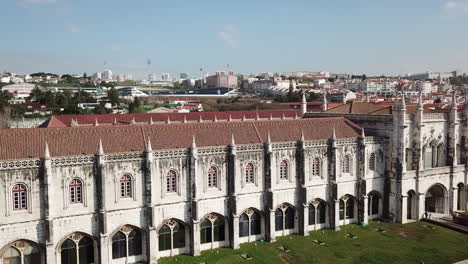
{"x":321,"y":211}
{"x":68,"y":252}
{"x":20,"y":197}
{"x":252,"y":223}
{"x":76,"y":191}
{"x":171,"y":181}
{"x":171,"y":235}
{"x":178,"y":234}
{"x":213,"y":177}
{"x":289,"y":218}
{"x":345,"y":164}
{"x":350,"y":208}
{"x":311,"y":214}
{"x":164,"y":238}
{"x":212,"y":229}
{"x":278,"y":219}
{"x":249,"y":173}
{"x":244,"y":225}
{"x":26,"y":253}
{"x":126,"y":186}
{"x":86,"y":250}
{"x":127,"y":240}
{"x":316,"y":167}
{"x":255,"y":224}
{"x":206,"y":229}
{"x":119,"y":246}
{"x":218,"y":229}
{"x":134,"y":243}
{"x":283,"y":170}
{"x":372,"y":161}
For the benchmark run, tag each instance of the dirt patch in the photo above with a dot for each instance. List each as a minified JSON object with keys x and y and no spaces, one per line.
{"x":402,"y":234}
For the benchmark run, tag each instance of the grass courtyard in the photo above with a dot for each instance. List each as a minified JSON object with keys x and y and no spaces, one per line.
{"x":379,"y":243}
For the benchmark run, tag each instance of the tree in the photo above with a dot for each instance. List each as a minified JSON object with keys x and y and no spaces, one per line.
{"x":100,"y":110}
{"x":113,"y":96}
{"x":133,"y":106}
{"x":85,"y":75}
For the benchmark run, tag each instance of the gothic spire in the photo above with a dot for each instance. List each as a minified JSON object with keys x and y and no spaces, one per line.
{"x":302,"y":136}
{"x":233,"y":143}
{"x":185,"y":119}
{"x":46,"y":151}
{"x":151,"y":120}
{"x":133,"y":121}
{"x":363,"y":134}
{"x":194,"y":145}
{"x":215,"y":118}
{"x":168,"y":120}
{"x":149,"y":148}
{"x":96,"y":122}
{"x":100,"y":148}
{"x":420,"y":101}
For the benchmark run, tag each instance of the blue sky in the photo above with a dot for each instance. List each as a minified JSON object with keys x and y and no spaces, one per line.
{"x":359,"y":36}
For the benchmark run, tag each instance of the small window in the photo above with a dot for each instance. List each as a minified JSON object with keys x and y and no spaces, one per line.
{"x":345,"y":164}
{"x":171,"y":181}
{"x":20,"y":197}
{"x":372,"y":161}
{"x":283,"y":170}
{"x":249,"y":173}
{"x":213,"y":177}
{"x":126,"y":186}
{"x":316,"y":167}
{"x":76,"y":188}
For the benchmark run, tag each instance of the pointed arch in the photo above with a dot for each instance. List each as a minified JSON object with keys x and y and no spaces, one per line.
{"x":126,"y":241}
{"x":172,"y":234}
{"x":22,"y":251}
{"x":77,"y":248}
{"x":212,"y":228}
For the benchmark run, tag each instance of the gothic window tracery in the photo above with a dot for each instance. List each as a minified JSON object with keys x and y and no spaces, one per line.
{"x":126,"y":242}
{"x":346,"y":164}
{"x":76,"y":191}
{"x":283,"y":170}
{"x":316,"y":167}
{"x":249,"y":173}
{"x":212,"y":177}
{"x":126,"y":186}
{"x":372,"y":161}
{"x":171,"y":181}
{"x":20,"y":197}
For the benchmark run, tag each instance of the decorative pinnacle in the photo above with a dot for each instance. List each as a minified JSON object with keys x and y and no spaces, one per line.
{"x":185,"y":119}
{"x":268,"y":138}
{"x":230,"y":118}
{"x":302,"y":136}
{"x":420,"y":101}
{"x":363,"y":134}
{"x":46,"y":151}
{"x":271,"y":116}
{"x":115,"y":120}
{"x":334,"y":134}
{"x":304,"y":100}
{"x":233,"y":143}
{"x":201,"y":119}
{"x":243,"y":118}
{"x":148,"y":145}
{"x":257,"y":117}
{"x":216,"y":118}
{"x":100,"y":149}
{"x":168,"y":120}
{"x":151,"y":120}
{"x":403,"y":101}
{"x":194,"y":145}
{"x":96,"y":122}
{"x":133,"y":120}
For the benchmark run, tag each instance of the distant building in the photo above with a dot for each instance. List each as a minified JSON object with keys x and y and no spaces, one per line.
{"x":19,"y":91}
{"x":222,"y":80}
{"x":432,"y":75}
{"x":107,"y":75}
{"x":131,"y":92}
{"x":97,"y":75}
{"x":184,"y":76}
{"x":165,"y":76}
{"x":152,"y":77}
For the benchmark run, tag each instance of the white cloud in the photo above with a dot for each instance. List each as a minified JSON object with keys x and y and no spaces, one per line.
{"x":114,"y":47}
{"x":72,"y":28}
{"x":451,"y":4}
{"x":228,"y":35}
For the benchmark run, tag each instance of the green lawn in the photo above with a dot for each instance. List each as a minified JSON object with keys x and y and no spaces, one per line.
{"x":410,"y":243}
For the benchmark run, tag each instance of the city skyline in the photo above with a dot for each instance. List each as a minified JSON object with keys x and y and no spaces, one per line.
{"x":63,"y":36}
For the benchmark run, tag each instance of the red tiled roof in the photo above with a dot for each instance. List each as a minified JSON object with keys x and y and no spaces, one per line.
{"x":70,"y":141}
{"x":66,"y":120}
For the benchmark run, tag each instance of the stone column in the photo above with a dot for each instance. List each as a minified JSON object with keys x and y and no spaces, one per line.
{"x":152,"y":244}
{"x":235,"y":232}
{"x":421,"y":205}
{"x":104,"y":249}
{"x":303,"y":219}
{"x":50,"y":254}
{"x":271,"y":226}
{"x":336,"y":209}
{"x":455,"y":199}
{"x":365,"y":217}
{"x":195,"y":238}
{"x":404,"y":209}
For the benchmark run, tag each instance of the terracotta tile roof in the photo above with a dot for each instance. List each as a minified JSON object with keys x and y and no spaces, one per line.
{"x":356,"y":107}
{"x":66,"y":120}
{"x":69,"y":141}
